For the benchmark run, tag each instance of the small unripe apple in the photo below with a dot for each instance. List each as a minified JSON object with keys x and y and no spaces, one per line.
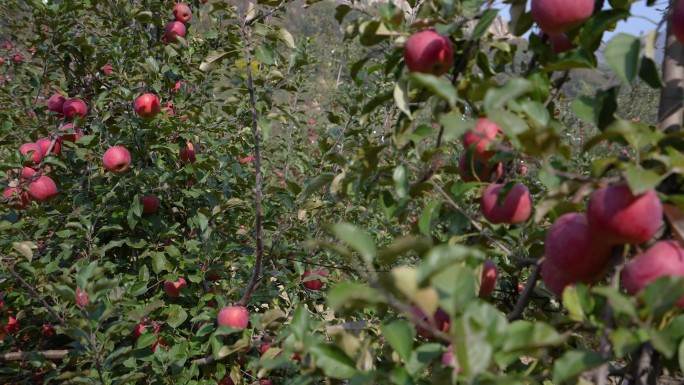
{"x":16,"y":197}
{"x":82,"y":298}
{"x":42,"y":189}
{"x":480,"y":137}
{"x":664,"y":258}
{"x":187,"y":154}
{"x":78,"y":133}
{"x":558,"y":16}
{"x":677,"y":20}
{"x":45,"y":143}
{"x":56,"y":103}
{"x":107,"y":69}
{"x":314,"y":284}
{"x":617,"y":216}
{"x":173,"y":30}
{"x":515,"y":208}
{"x":489,"y":278}
{"x":117,"y":159}
{"x":36,"y":153}
{"x":172,"y":289}
{"x":429,"y":52}
{"x":572,"y":247}
{"x":234,"y":316}
{"x":440,"y":320}
{"x":182,"y":12}
{"x":147,"y":105}
{"x":75,"y":106}
{"x":150,"y":204}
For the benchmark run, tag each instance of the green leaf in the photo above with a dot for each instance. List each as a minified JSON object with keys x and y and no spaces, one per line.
{"x":317,"y":183}
{"x":349,"y":295}
{"x":286,"y":37}
{"x":486,"y":20}
{"x":25,"y":248}
{"x":401,"y":183}
{"x":176,"y":316}
{"x":641,"y":180}
{"x":400,"y":334}
{"x":333,"y":361}
{"x":151,"y":65}
{"x":574,"y":363}
{"x":497,"y":98}
{"x":214,"y":59}
{"x":438,"y":86}
{"x":429,"y":217}
{"x":680,"y":354}
{"x":356,"y":239}
{"x":622,"y":305}
{"x":85,"y":274}
{"x":622,"y":53}
{"x":422,"y":356}
{"x":442,"y":256}
{"x":401,"y":97}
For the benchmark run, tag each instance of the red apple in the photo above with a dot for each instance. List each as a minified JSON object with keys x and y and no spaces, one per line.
{"x":617,"y":216}
{"x":82,"y":298}
{"x":187,"y":154}
{"x":48,"y":331}
{"x":17,"y":197}
{"x":172,"y":289}
{"x":571,"y":247}
{"x":75,"y":106}
{"x":28,"y":172}
{"x":56,"y":103}
{"x":440,"y":320}
{"x":107,"y":69}
{"x":480,"y":137}
{"x":150,"y":204}
{"x":182,"y":12}
{"x":147,"y":105}
{"x":45,"y":143}
{"x":554,"y":278}
{"x":664,"y":258}
{"x":42,"y":189}
{"x":181,"y":86}
{"x":489,"y":277}
{"x":2,"y":61}
{"x":428,"y":52}
{"x":12,"y":326}
{"x":560,"y":43}
{"x":677,"y":20}
{"x":36,"y":153}
{"x":173,"y":30}
{"x":515,"y":208}
{"x":226,"y":380}
{"x":558,"y":16}
{"x":78,"y":133}
{"x":314,"y":284}
{"x":18,"y":57}
{"x":234,"y":316}
{"x":117,"y":159}
{"x":484,"y":171}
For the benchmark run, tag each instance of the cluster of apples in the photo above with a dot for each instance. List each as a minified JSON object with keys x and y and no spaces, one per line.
{"x":579,"y":246}
{"x":176,"y":28}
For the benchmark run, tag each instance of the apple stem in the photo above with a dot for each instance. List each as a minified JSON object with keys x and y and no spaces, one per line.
{"x":258,"y":185}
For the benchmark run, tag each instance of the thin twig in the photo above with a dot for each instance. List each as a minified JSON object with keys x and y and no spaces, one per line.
{"x":35,"y":294}
{"x":52,"y":355}
{"x":524,"y":298}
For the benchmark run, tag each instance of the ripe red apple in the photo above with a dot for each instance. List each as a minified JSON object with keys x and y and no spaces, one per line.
{"x":515,"y":208}
{"x":56,"y":103}
{"x":234,"y":316}
{"x":182,"y":12}
{"x":45,"y":143}
{"x":147,"y":105}
{"x":314,"y":284}
{"x":617,"y":216}
{"x":676,"y":19}
{"x":12,"y":326}
{"x":181,"y":86}
{"x":117,"y":159}
{"x":168,"y":110}
{"x":48,"y":331}
{"x":36,"y":153}
{"x":173,"y":30}
{"x":82,"y":298}
{"x":480,"y":137}
{"x":172,"y":289}
{"x":571,"y":247}
{"x":429,"y":52}
{"x":558,"y":16}
{"x":664,"y":258}
{"x":75,"y":106}
{"x":16,"y":197}
{"x":78,"y":133}
{"x":187,"y":154}
{"x":440,"y":320}
{"x":489,"y":277}
{"x":42,"y":189}
{"x":107,"y":69}
{"x":265,"y":381}
{"x":18,"y":57}
{"x":150,"y":204}
{"x":2,"y":61}
{"x":560,"y":43}
{"x":484,"y":171}
{"x":554,"y":278}
{"x":226,"y":380}
{"x":28,"y":172}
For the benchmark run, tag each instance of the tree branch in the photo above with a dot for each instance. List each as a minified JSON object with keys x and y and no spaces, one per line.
{"x":524,"y":298}
{"x":35,"y":294}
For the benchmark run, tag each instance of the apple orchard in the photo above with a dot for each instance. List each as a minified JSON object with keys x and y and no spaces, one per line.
{"x":308,"y":192}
